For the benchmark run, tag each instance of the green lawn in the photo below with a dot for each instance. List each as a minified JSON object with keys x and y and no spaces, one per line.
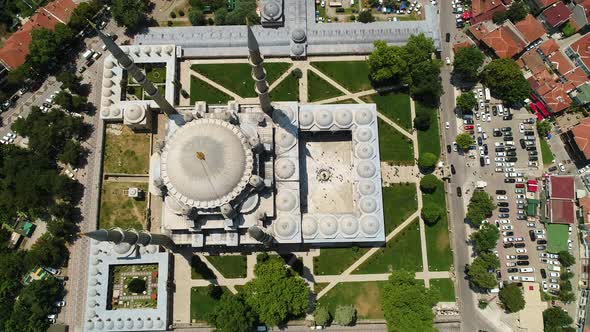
{"x":318,"y":89}
{"x":202,"y":304}
{"x":446,"y":289}
{"x":156,"y":74}
{"x":395,"y":105}
{"x":237,"y":77}
{"x":230,"y":266}
{"x":126,"y":151}
{"x":393,"y":146}
{"x":365,"y":296}
{"x":399,"y":202}
{"x":438,"y":246}
{"x":401,"y":252}
{"x":546,"y":152}
{"x":352,"y":75}
{"x":118,"y":210}
{"x":428,"y":141}
{"x":335,"y":260}
{"x":557,"y":235}
{"x":345,"y":101}
{"x":287,"y":90}
{"x":201,"y":91}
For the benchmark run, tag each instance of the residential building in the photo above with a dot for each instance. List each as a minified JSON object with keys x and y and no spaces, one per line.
{"x":538,"y":5}
{"x":580,"y":15}
{"x":555,"y":15}
{"x":577,"y":141}
{"x":579,"y":51}
{"x":506,"y":41}
{"x":560,"y":207}
{"x":530,"y":28}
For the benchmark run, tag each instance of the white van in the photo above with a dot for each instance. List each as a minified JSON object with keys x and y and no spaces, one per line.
{"x":527,"y":269}
{"x":554,"y":268}
{"x":87,"y":54}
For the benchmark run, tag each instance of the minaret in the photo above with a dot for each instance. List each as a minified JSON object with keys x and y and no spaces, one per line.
{"x":136,"y":73}
{"x":131,"y":237}
{"x":258,"y":73}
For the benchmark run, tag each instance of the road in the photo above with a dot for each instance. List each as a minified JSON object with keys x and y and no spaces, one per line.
{"x":466,"y":299}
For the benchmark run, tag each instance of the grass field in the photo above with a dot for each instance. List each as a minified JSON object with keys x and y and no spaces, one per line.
{"x":201,"y":91}
{"x":365,"y":296}
{"x":127,"y":152}
{"x":438,"y":245}
{"x":335,"y":260}
{"x":230,"y":266}
{"x":287,"y":90}
{"x":395,"y":105}
{"x":393,"y":146}
{"x":428,"y":141}
{"x":237,"y":77}
{"x":352,"y":75}
{"x":401,"y":252}
{"x":202,"y":304}
{"x":557,"y":236}
{"x":399,"y":202}
{"x":446,"y":289}
{"x":318,"y":89}
{"x":118,"y":210}
{"x":546,"y":152}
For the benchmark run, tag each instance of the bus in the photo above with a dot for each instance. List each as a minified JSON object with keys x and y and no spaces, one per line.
{"x":487,"y":95}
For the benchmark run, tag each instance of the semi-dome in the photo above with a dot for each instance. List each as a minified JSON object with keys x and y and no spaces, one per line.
{"x":366,"y":169}
{"x":129,"y":323}
{"x":139,"y":323}
{"x":349,"y":225}
{"x":298,"y":35}
{"x":134,"y":113}
{"x":285,"y":226}
{"x":366,"y":187}
{"x":309,"y":226}
{"x":305,"y":118}
{"x":284,"y":168}
{"x":106,"y":102}
{"x":328,"y":226}
{"x":207,"y":163}
{"x":363,"y":117}
{"x":324,"y":118}
{"x":298,"y":49}
{"x":344,"y":118}
{"x":364,"y":134}
{"x":370,"y":225}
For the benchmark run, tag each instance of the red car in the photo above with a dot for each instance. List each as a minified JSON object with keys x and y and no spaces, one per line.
{"x":468,"y":127}
{"x":520,"y":185}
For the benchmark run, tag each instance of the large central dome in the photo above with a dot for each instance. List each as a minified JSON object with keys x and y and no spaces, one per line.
{"x":206,"y":163}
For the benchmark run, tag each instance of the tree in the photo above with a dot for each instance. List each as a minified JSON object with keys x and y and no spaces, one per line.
{"x":512,"y":298}
{"x":196,"y":17}
{"x":44,"y":47}
{"x":418,"y":49}
{"x":407,"y":304}
{"x":422,"y":120}
{"x":467,"y":62}
{"x":543,"y":127}
{"x":12,"y":271}
{"x":130,"y":13}
{"x":429,"y":183}
{"x":387,"y":64}
{"x":431,"y":213}
{"x":480,"y":207}
{"x":506,"y":81}
{"x":478,"y":270}
{"x":425,"y":81}
{"x":466,"y":101}
{"x":48,"y":251}
{"x":427,"y":160}
{"x":517,"y":11}
{"x":485,"y":238}
{"x":69,"y":102}
{"x":232,"y":314}
{"x":555,"y":319}
{"x":137,"y":286}
{"x":245,"y":10}
{"x":499,"y":17}
{"x":276,"y":292}
{"x":220,"y":16}
{"x":568,"y":29}
{"x":83,"y":13}
{"x":566,"y":259}
{"x":322,"y":316}
{"x":69,"y":80}
{"x":464,"y":141}
{"x":345,"y":315}
{"x":62,"y":228}
{"x":366,"y":16}
{"x":214,"y":291}
{"x":34,"y":303}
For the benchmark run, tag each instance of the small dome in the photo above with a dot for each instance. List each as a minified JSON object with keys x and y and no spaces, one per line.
{"x":298,"y":35}
{"x":368,"y":205}
{"x":110,"y":324}
{"x":136,"y":50}
{"x":283,"y":114}
{"x":116,"y":111}
{"x":122,"y":248}
{"x":285,"y":227}
{"x":129,"y":324}
{"x":107,"y":74}
{"x":285,"y":139}
{"x":328,"y":226}
{"x":363,"y":117}
{"x":364,"y":151}
{"x":272,"y":10}
{"x":99,"y":324}
{"x":370,"y":225}
{"x":93,"y":292}
{"x":105,"y":112}
{"x":106,"y":102}
{"x":107,"y":83}
{"x":90,"y":313}
{"x":149,"y":323}
{"x":139,"y":323}
{"x":126,"y":50}
{"x":90,"y":325}
{"x":95,"y":251}
{"x":92,"y":304}
{"x":297,"y":49}
{"x":344,"y":118}
{"x":95,"y":261}
{"x":366,"y":169}
{"x":159,"y":322}
{"x":364,"y":134}
{"x":286,"y":201}
{"x":168,"y":49}
{"x":94,"y":271}
{"x":93,"y":282}
{"x":135,"y":113}
{"x":366,"y":187}
{"x":309,"y":226}
{"x":109,"y":64}
{"x":284,"y":168}
{"x":119,"y":324}
{"x":324,"y":118}
{"x":349,"y":225}
{"x":158,"y":50}
{"x":107,"y":92}
{"x":305,"y":118}
{"x":147,"y":50}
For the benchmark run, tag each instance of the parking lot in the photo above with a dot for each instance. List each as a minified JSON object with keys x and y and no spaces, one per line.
{"x":506,"y":154}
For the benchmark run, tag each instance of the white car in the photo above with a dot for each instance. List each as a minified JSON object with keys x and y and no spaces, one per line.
{"x":448,"y":60}
{"x":554,"y":286}
{"x":503,"y":221}
{"x":561,"y":167}
{"x":554,"y":274}
{"x":60,"y":303}
{"x":543,"y":254}
{"x":519,"y":180}
{"x":489,"y":118}
{"x":502,"y":197}
{"x":499,"y":169}
{"x":554,"y":256}
{"x":447,"y":125}
{"x":508,"y":239}
{"x":499,"y":159}
{"x":520,"y":196}
{"x":507,"y":227}
{"x":455,"y":146}
{"x":521,"y":250}
{"x":501,"y":154}
{"x":487,"y":160}
{"x":519,"y":239}
{"x":513,"y":278}
{"x":510,"y":257}
{"x":521,"y":128}
{"x":499,"y":144}
{"x":511,"y":264}
{"x":530,"y":224}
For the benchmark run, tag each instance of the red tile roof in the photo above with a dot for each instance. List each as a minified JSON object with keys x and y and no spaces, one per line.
{"x":581,"y":134}
{"x":533,"y":61}
{"x":561,"y":187}
{"x":16,"y":48}
{"x":582,"y":48}
{"x":557,"y":14}
{"x":478,"y":31}
{"x":504,"y":42}
{"x":562,"y":212}
{"x":545,"y":3}
{"x":560,"y":62}
{"x":558,"y":99}
{"x":486,"y":13}
{"x":576,"y":77}
{"x":457,"y":46}
{"x":530,"y":28}
{"x":585,"y":205}
{"x":549,"y":46}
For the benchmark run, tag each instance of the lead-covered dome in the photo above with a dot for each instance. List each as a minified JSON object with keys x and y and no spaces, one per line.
{"x":206,"y":163}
